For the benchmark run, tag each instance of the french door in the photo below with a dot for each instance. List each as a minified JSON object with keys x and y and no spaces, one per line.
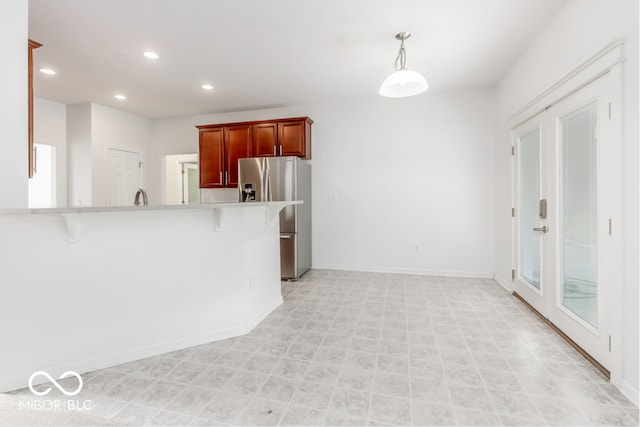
{"x":565,"y":196}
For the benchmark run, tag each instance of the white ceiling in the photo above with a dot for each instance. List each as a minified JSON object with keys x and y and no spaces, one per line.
{"x":267,"y":53}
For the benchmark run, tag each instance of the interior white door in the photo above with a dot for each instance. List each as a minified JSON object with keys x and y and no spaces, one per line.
{"x":124,"y":177}
{"x":566,"y":176}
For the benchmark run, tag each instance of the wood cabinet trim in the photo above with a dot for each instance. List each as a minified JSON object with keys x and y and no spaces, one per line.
{"x":31,"y":45}
{"x":292,"y":119}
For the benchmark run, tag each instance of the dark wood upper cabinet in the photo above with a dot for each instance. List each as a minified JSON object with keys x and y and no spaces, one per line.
{"x":32,"y":45}
{"x":294,"y":138}
{"x":237,"y":145}
{"x":221,"y":145}
{"x":211,"y":158}
{"x":265,"y":139}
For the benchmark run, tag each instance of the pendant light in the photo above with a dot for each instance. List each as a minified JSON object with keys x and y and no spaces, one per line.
{"x":403,"y":82}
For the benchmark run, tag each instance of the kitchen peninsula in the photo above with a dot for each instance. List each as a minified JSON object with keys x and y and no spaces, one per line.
{"x":88,"y":288}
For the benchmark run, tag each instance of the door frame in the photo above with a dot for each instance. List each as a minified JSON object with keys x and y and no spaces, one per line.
{"x":607,"y":60}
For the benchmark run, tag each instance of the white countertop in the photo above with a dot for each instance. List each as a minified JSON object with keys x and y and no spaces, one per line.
{"x":141,"y":208}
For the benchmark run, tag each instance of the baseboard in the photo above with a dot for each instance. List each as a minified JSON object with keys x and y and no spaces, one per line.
{"x":399,"y":270}
{"x":503,"y":282}
{"x":83,"y":366}
{"x":255,"y":320}
{"x":18,"y":381}
{"x":629,"y":392}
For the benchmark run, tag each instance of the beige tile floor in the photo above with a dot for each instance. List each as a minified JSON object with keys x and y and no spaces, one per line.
{"x":350,"y":348}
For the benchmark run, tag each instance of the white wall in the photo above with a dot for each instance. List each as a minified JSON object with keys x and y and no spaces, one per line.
{"x":79,"y":160}
{"x":112,"y":128}
{"x":398,"y":184}
{"x":580,"y":29}
{"x":93,"y":129}
{"x":50,"y":128}
{"x":13,"y":104}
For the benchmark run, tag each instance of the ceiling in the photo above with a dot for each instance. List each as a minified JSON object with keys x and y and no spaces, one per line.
{"x":269,"y":53}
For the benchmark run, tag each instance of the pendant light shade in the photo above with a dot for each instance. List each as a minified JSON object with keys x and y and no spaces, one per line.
{"x":403,"y":82}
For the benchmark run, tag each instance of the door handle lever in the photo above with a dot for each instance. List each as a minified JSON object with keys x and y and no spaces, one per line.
{"x":542,"y":229}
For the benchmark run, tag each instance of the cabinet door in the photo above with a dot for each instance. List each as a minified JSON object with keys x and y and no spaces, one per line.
{"x":292,"y":139}
{"x":265,"y":136}
{"x":237,"y":145}
{"x":211,"y":158}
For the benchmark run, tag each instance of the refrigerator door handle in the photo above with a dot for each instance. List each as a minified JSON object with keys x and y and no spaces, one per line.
{"x":285,"y":236}
{"x":266,"y":193}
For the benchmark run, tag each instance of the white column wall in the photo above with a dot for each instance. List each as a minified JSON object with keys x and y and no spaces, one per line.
{"x":13,"y":104}
{"x":50,"y":128}
{"x":79,"y":158}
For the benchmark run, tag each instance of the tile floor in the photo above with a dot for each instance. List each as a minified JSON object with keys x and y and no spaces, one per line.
{"x":350,"y":348}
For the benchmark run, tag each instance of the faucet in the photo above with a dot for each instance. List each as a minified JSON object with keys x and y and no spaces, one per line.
{"x":145,"y":201}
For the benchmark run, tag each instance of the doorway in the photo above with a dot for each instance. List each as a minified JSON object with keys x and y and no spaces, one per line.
{"x":190,"y":182}
{"x":566,"y":253}
{"x":181,"y":179}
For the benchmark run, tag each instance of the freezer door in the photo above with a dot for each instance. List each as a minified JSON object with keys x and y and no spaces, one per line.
{"x":288,"y":255}
{"x":282,"y":187}
{"x":251,"y":180}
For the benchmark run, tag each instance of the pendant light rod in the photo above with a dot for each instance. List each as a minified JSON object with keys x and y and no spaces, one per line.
{"x":402,"y":54}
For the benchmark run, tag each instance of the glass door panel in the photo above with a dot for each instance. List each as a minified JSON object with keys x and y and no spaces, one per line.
{"x":578,"y":219}
{"x":570,"y":155}
{"x":529,"y":191}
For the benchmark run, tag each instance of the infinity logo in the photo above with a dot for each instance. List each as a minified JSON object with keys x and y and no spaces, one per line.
{"x":55,"y":383}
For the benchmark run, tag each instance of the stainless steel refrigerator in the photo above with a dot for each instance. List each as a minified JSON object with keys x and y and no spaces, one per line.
{"x":282,"y":179}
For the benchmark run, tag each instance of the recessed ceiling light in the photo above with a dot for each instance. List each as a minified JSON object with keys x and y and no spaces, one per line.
{"x":151,"y":55}
{"x":48,"y":71}
{"x":207,"y":87}
{"x":120,"y":97}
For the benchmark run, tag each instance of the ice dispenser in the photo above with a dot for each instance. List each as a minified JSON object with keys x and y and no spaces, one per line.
{"x":248,"y":193}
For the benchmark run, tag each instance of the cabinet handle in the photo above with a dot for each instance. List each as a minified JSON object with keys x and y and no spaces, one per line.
{"x":281,"y":150}
{"x":221,"y":183}
{"x":226,"y":178}
{"x":274,"y":150}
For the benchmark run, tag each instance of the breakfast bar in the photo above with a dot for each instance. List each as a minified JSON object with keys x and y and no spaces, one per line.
{"x":88,"y":288}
